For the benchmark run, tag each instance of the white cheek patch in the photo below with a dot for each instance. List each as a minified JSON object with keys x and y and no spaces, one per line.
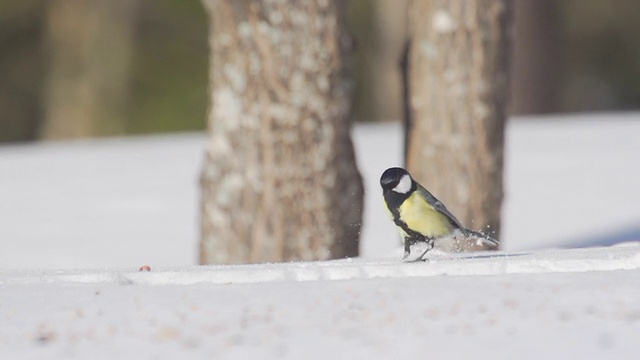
{"x":404,"y":185}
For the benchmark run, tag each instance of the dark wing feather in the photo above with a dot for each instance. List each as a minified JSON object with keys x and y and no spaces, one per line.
{"x":438,"y":205}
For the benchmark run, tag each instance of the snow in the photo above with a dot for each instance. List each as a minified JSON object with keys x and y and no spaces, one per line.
{"x":579,"y":303}
{"x":578,"y":178}
{"x":133,"y":199}
{"x":78,"y":219}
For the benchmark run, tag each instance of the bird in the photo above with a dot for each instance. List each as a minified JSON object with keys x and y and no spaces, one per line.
{"x":420,"y":216}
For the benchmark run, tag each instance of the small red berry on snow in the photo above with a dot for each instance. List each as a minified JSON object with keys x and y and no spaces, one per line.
{"x":144,"y":268}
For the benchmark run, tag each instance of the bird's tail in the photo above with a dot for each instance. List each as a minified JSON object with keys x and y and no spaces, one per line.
{"x":484,"y":239}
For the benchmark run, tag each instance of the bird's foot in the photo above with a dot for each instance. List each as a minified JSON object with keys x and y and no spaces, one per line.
{"x":418,"y":259}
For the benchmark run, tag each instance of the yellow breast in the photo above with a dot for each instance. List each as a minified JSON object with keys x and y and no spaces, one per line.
{"x":423,"y":218}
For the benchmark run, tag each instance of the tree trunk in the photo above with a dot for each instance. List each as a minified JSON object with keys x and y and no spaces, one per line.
{"x":21,"y":64}
{"x":279,"y":181}
{"x":379,"y":27}
{"x":457,"y":107}
{"x":90,"y":45}
{"x":535,"y":66}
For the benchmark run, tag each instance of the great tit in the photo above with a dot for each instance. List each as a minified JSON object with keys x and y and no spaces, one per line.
{"x":420,"y":216}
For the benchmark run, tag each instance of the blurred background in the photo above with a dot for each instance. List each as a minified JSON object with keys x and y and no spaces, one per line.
{"x":78,"y":68}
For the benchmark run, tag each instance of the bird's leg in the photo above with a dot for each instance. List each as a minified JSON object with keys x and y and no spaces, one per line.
{"x":407,"y":249}
{"x":430,"y":244}
{"x":409,"y":241}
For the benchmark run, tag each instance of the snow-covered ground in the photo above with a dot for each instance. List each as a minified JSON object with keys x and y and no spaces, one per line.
{"x":560,"y":304}
{"x":77,"y":220}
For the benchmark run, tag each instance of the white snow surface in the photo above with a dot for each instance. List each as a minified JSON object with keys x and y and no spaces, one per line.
{"x":78,"y":219}
{"x":579,"y":303}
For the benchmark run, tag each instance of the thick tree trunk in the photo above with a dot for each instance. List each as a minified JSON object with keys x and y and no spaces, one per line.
{"x":458,"y":89}
{"x":280,"y":181}
{"x":90,"y":44}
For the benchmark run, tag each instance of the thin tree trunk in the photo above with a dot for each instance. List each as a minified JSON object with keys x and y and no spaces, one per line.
{"x":381,"y":30}
{"x":535,"y":67}
{"x":21,"y":65}
{"x":279,"y":181}
{"x":458,"y":90}
{"x":90,"y":45}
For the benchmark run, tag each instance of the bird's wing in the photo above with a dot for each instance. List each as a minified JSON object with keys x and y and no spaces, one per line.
{"x":438,"y":205}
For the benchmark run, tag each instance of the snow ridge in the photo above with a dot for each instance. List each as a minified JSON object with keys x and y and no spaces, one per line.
{"x":476,"y":264}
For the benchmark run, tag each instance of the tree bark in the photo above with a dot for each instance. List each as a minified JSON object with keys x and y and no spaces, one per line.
{"x":279,"y":181}
{"x":458,"y":80}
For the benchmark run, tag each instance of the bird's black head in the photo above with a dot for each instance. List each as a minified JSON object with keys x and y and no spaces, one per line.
{"x":396,"y":179}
